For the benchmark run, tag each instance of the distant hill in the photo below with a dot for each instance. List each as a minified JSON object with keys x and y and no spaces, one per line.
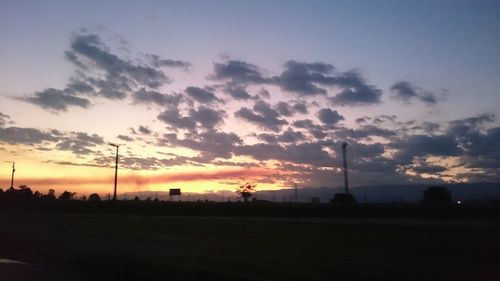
{"x":369,"y":194}
{"x":388,"y":193}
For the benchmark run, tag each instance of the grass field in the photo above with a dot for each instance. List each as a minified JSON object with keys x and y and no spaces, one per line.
{"x":93,"y":247}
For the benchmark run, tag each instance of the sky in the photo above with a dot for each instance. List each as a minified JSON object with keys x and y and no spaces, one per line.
{"x":207,"y":95}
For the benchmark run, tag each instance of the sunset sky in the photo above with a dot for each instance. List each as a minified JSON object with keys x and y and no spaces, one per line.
{"x":205,"y":95}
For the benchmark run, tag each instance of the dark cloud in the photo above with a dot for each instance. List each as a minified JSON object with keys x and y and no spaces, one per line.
{"x":285,"y":109}
{"x":26,"y":136}
{"x":212,"y":144}
{"x":207,"y":117}
{"x":157,"y":61}
{"x":114,"y":88}
{"x":76,"y":87}
{"x":291,"y":136}
{"x":315,"y":130}
{"x":288,"y":136}
{"x":125,"y":138}
{"x":362,"y":120}
{"x":100,"y":72}
{"x":4,"y":119}
{"x":482,"y":150}
{"x":357,"y":96}
{"x":56,"y":100}
{"x":303,"y":153}
{"x":481,"y":146}
{"x":300,"y":77}
{"x":238,"y":72}
{"x":237,"y":92}
{"x":430,"y":127}
{"x":176,"y":121}
{"x":153,"y":97}
{"x":328,"y":116}
{"x":424,"y":145}
{"x":306,"y":79}
{"x":89,"y":50}
{"x":406,"y":92}
{"x":79,"y":143}
{"x":144,"y":130}
{"x":428,"y":169}
{"x":381,"y":119}
{"x":201,"y":95}
{"x":262,"y":115}
{"x":263,"y":93}
{"x":366,"y":131}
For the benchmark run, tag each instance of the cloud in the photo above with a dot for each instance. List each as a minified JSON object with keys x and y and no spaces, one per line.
{"x":303,"y":153}
{"x":201,"y":95}
{"x":288,"y":136}
{"x":406,"y":92}
{"x":207,"y":117}
{"x":306,"y":78}
{"x":100,"y":72}
{"x":301,"y":77}
{"x":144,"y":130}
{"x":262,"y":115}
{"x":285,"y":109}
{"x":79,"y":143}
{"x":237,"y":92}
{"x":26,"y":136}
{"x":424,"y":145}
{"x":56,"y":100}
{"x":176,"y":121}
{"x":363,"y":95}
{"x":4,"y":119}
{"x":191,"y":176}
{"x":153,"y":97}
{"x":211,"y":144}
{"x":481,"y":146}
{"x":157,"y":61}
{"x":125,"y":138}
{"x":238,"y":72}
{"x":314,"y":129}
{"x":328,"y":116}
{"x":90,"y":51}
{"x":366,"y":131}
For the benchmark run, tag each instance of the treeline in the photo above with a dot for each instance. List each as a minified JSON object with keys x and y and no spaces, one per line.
{"x":23,"y":199}
{"x":25,"y":194}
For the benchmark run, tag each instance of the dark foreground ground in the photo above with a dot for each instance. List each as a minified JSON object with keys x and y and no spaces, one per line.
{"x":112,"y":247}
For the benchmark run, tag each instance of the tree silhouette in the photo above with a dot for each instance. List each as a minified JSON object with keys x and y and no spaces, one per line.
{"x":246,"y":190}
{"x":94,"y":197}
{"x":437,"y":194}
{"x":66,"y":196}
{"x":51,"y":195}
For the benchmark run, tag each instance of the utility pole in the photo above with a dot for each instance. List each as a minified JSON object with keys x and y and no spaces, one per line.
{"x":13,"y":171}
{"x":116,"y":168}
{"x":346,"y":182}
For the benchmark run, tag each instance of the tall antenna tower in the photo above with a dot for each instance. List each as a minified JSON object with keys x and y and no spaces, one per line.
{"x":13,"y":171}
{"x":116,"y":169}
{"x":346,"y":182}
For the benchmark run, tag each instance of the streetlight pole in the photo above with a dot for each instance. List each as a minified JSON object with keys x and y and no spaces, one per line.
{"x":346,"y":182}
{"x":116,"y":169}
{"x":13,"y":170}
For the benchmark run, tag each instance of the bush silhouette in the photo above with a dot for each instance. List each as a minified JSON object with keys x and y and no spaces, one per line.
{"x":94,"y":197}
{"x":344,"y":198}
{"x":66,"y":196}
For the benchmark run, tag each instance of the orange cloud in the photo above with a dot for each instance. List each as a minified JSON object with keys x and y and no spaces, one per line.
{"x":138,"y":179}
